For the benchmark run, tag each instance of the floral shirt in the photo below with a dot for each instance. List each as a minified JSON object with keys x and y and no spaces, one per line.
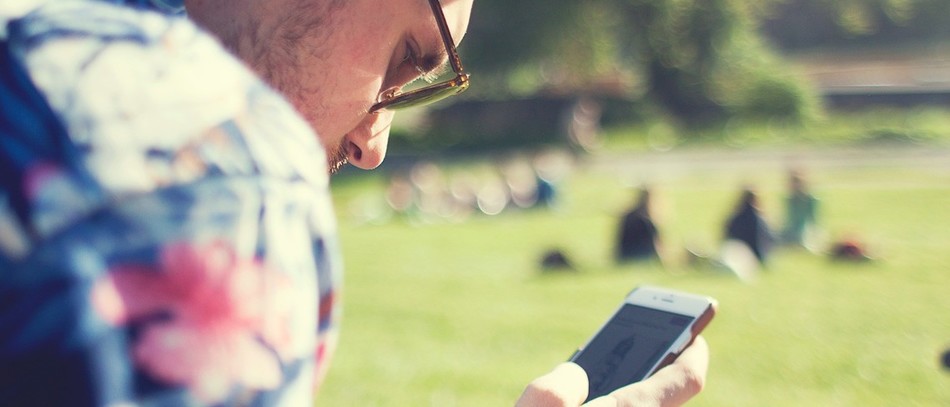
{"x":166,"y":230}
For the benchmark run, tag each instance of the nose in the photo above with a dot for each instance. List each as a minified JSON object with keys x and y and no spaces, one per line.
{"x":366,"y":145}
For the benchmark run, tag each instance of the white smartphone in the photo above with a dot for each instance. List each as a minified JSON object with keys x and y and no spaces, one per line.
{"x":647,"y":332}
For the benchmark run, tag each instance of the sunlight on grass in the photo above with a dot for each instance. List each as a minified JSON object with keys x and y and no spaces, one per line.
{"x":458,"y":313}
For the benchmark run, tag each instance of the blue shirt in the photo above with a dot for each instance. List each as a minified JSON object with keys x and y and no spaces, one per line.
{"x":166,"y":230}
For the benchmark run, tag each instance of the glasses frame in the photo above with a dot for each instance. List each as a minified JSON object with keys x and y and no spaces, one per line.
{"x":437,"y":91}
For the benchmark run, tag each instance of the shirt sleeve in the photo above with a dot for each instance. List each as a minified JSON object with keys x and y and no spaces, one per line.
{"x":195,"y":293}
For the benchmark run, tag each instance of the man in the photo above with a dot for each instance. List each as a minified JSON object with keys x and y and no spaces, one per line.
{"x":352,"y":50}
{"x":166,"y":234}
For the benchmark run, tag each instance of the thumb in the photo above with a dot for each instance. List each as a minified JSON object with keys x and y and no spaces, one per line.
{"x":566,"y":385}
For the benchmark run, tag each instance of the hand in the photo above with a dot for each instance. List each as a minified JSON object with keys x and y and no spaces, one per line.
{"x":671,"y":386}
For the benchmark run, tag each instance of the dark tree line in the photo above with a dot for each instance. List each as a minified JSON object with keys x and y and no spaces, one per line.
{"x":804,"y":24}
{"x":699,"y":60}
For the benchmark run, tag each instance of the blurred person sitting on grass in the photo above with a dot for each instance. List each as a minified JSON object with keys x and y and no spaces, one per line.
{"x":747,"y":238}
{"x":801,"y":212}
{"x":166,"y":229}
{"x":638,"y":237}
{"x":747,"y":226}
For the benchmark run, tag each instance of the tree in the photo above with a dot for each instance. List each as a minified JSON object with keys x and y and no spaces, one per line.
{"x":520,"y":47}
{"x":800,"y":24}
{"x":689,"y":56}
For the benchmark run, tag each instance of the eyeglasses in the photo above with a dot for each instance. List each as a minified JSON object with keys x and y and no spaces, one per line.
{"x":422,"y":96}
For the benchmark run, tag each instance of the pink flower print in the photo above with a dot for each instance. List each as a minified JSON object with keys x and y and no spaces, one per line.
{"x":228,"y":316}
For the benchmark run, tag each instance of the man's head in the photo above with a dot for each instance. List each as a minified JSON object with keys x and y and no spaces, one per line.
{"x":334,"y":59}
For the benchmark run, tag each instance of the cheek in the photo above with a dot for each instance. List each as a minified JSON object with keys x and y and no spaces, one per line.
{"x":332,"y":106}
{"x":332,"y":121}
{"x":349,"y":87}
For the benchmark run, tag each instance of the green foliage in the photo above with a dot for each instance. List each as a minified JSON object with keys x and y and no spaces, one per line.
{"x":700,"y":60}
{"x":773,"y":97}
{"x":800,"y":24}
{"x":519,"y":47}
{"x":705,"y":63}
{"x":676,"y":43}
{"x":754,"y":83}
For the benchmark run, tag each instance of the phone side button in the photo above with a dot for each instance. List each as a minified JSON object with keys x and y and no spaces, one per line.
{"x":680,"y":343}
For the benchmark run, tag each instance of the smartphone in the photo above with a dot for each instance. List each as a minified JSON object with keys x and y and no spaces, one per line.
{"x":649,"y":330}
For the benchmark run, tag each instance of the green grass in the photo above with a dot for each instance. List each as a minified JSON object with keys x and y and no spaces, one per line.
{"x":451,"y":313}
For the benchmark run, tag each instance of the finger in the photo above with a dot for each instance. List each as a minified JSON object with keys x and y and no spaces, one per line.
{"x":696,"y":356}
{"x":672,"y":385}
{"x":605,"y":401}
{"x":566,"y":385}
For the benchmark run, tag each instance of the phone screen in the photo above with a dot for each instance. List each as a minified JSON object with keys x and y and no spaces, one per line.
{"x":627,"y":348}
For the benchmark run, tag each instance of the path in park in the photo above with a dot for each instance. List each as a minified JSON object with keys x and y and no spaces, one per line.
{"x":758,"y":160}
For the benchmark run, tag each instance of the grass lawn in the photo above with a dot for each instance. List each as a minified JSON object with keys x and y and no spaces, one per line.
{"x":457,"y":313}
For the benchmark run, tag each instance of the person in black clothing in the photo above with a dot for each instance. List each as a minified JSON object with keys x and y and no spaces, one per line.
{"x":945,"y":359}
{"x":747,"y":225}
{"x":638,"y":237}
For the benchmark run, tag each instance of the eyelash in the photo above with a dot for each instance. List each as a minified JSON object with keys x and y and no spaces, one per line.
{"x":413,"y":60}
{"x":411,"y":57}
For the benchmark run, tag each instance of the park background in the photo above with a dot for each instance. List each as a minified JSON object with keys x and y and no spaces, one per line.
{"x":449,"y":307}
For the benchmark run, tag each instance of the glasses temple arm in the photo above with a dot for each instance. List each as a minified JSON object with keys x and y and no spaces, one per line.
{"x":454,"y":59}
